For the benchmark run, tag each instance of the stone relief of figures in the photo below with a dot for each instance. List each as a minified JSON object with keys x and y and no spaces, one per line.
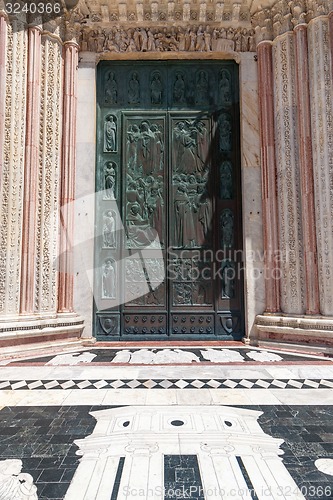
{"x":228,"y":279}
{"x":225,"y":92}
{"x":110,"y":134}
{"x":227,"y":228}
{"x":109,"y":229}
{"x":109,"y":280}
{"x":111,"y":89}
{"x":110,"y":180}
{"x":134,"y":89}
{"x":191,"y":145}
{"x":226,"y":184}
{"x":156,"y":88}
{"x":225,"y":132}
{"x":14,"y":484}
{"x":162,"y":39}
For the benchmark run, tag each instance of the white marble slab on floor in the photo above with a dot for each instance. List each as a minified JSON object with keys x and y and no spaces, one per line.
{"x":166,"y":397}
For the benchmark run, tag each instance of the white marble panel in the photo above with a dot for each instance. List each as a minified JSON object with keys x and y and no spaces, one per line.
{"x":85,"y":185}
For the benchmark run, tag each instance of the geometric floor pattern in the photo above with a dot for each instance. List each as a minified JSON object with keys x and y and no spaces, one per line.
{"x":45,"y":409}
{"x":167,"y":384}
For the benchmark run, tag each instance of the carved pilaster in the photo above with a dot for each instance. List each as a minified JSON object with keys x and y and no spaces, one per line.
{"x":11,"y":195}
{"x":321,"y":91}
{"x":65,"y":301}
{"x":30,"y":172}
{"x":330,"y":21}
{"x":288,"y":182}
{"x":306,"y":171}
{"x":266,"y":105}
{"x":48,"y":176}
{"x":3,"y":43}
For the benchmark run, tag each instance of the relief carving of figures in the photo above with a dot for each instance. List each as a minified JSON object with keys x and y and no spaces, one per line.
{"x":145,"y":149}
{"x":225,"y":132}
{"x":192,"y":39}
{"x":110,"y":180}
{"x":228,"y":279}
{"x":190,"y":146}
{"x":134,"y":89}
{"x":109,"y":280}
{"x":179,"y":89}
{"x":111,"y":89}
{"x":185,"y":234}
{"x":226,"y":188}
{"x":182,"y":294}
{"x":201,"y":89}
{"x":109,"y":228}
{"x":139,"y":231}
{"x":204,"y":215}
{"x":110,"y":134}
{"x":227,"y":228}
{"x":156,"y":88}
{"x":225,"y":88}
{"x":14,"y":484}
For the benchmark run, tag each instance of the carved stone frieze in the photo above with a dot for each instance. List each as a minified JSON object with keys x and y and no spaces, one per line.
{"x":164,"y":39}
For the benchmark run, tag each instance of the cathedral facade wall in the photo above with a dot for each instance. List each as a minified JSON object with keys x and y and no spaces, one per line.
{"x":48,"y":157}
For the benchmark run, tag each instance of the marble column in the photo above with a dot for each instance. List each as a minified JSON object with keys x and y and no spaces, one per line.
{"x":330,"y":23}
{"x":321,"y":104}
{"x":288,"y":181}
{"x":306,"y":172}
{"x":3,"y":38}
{"x":31,"y":166}
{"x":66,"y":279}
{"x":269,"y":196}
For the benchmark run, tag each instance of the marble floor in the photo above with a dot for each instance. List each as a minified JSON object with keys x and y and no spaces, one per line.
{"x":198,"y":422}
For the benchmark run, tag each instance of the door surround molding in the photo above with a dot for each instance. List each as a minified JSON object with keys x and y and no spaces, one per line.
{"x":250,"y":171}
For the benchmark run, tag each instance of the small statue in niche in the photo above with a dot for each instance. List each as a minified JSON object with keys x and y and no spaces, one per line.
{"x":179,"y":89}
{"x":109,"y":226}
{"x":134,"y":89}
{"x":111,"y":89}
{"x":226,"y":187}
{"x":227,"y":228}
{"x":225,"y":132}
{"x":109,"y":280}
{"x":228,"y":279}
{"x":110,"y":180}
{"x":156,"y":88}
{"x":201,"y":96}
{"x":110,"y":134}
{"x":225,"y":88}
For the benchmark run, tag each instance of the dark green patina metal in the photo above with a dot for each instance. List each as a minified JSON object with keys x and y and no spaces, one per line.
{"x":168,"y":178}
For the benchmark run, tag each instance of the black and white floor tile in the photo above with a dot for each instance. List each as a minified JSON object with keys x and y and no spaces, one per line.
{"x":260,"y":430}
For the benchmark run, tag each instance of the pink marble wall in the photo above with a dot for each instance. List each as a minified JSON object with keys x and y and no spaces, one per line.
{"x":269,"y":195}
{"x":306,"y":171}
{"x":66,"y":278}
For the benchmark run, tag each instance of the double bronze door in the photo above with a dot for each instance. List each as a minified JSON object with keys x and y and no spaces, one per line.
{"x":168,"y":212}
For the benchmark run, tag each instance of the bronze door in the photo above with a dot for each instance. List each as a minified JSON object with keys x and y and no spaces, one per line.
{"x":168,"y":212}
